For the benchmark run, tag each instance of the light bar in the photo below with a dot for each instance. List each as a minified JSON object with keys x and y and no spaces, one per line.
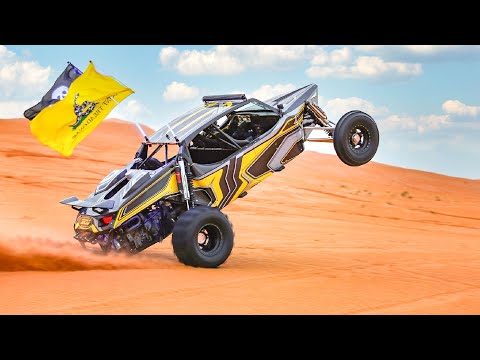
{"x":227,"y":97}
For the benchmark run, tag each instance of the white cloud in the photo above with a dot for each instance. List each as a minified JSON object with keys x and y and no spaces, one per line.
{"x":340,"y":56}
{"x":424,"y":52}
{"x":375,"y":66}
{"x":430,"y":49}
{"x":364,"y":67}
{"x":21,"y":77}
{"x":369,"y":48}
{"x":456,"y":107}
{"x":14,"y":109}
{"x":432,"y":122}
{"x":168,"y":55}
{"x":136,"y":108}
{"x":334,"y":57}
{"x":386,"y":121}
{"x":131,"y":110}
{"x":320,"y":58}
{"x":420,"y":124}
{"x":416,"y":49}
{"x":266,"y":92}
{"x":195,"y":62}
{"x":6,"y":55}
{"x":335,"y":108}
{"x":269,"y":55}
{"x":176,"y":91}
{"x":233,"y":59}
{"x":402,"y":122}
{"x":381,"y":61}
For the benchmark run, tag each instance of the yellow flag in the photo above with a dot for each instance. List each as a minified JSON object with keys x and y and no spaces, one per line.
{"x":90,"y":98}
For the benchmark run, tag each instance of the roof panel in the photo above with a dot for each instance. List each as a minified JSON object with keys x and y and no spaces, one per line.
{"x":200,"y":117}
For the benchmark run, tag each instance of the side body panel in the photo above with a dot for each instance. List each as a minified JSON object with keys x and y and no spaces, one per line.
{"x":255,"y":163}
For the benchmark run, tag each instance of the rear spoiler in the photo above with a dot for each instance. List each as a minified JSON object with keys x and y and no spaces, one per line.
{"x":77,"y":204}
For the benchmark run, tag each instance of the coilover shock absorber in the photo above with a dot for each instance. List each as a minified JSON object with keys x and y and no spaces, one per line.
{"x":190,"y":185}
{"x":185,"y":181}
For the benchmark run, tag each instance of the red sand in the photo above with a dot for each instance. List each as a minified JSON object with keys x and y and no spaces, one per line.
{"x":318,"y":238}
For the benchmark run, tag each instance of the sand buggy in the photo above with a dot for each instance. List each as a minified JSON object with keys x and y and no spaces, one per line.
{"x":223,"y":149}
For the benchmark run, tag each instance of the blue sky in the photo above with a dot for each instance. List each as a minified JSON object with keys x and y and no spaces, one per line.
{"x":425,"y":98}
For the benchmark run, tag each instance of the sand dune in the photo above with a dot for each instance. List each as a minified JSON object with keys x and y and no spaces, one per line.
{"x":317,"y":238}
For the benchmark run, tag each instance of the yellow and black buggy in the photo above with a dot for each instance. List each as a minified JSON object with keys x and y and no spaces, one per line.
{"x":222,"y":149}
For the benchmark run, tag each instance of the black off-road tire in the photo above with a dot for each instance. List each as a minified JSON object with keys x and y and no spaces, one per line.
{"x":362,"y":124}
{"x":203,"y":237}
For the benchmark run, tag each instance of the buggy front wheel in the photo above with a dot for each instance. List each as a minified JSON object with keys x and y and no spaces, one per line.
{"x":356,"y":138}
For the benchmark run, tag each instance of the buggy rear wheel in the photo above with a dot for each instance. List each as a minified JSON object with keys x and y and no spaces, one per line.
{"x":356,"y":138}
{"x":203,"y":237}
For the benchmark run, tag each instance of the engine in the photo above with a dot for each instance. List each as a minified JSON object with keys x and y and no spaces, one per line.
{"x":139,"y":232}
{"x":144,"y":229}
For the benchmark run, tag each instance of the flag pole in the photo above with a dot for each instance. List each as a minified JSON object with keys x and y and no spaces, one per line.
{"x":136,"y":123}
{"x":142,"y":132}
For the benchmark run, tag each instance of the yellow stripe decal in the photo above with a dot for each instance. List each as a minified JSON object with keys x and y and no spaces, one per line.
{"x":122,"y":217}
{"x":194,"y":121}
{"x":170,"y":187}
{"x":188,"y":117}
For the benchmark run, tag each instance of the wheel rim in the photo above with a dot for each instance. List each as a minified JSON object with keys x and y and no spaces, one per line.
{"x":359,"y":138}
{"x":209,"y":239}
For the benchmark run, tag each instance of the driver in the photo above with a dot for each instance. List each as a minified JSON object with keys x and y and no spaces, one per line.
{"x":244,"y":129}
